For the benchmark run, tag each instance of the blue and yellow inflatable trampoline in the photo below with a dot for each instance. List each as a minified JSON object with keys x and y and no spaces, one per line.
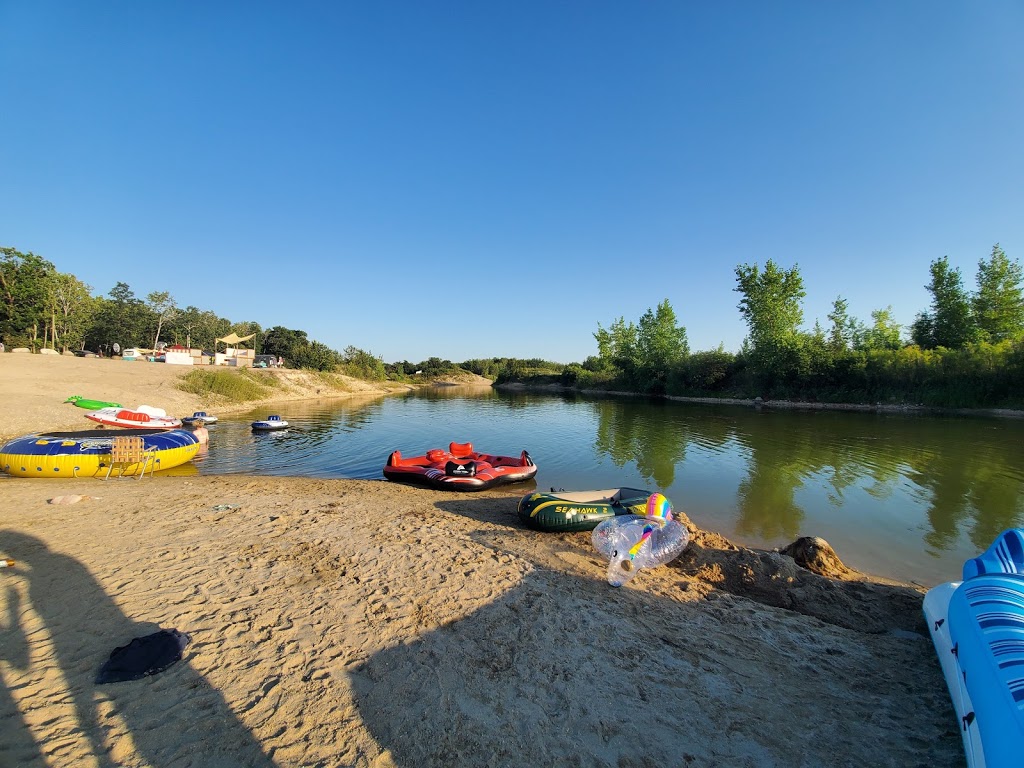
{"x":88,"y":453}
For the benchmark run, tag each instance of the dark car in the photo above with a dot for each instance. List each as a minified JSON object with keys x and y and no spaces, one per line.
{"x":85,"y":353}
{"x":265,"y":361}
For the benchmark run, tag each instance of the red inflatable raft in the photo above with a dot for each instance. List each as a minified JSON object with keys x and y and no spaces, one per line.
{"x":460,"y":468}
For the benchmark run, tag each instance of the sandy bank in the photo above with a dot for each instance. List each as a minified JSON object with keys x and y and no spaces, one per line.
{"x":370,"y":624}
{"x":33,"y":389}
{"x":364,"y":623}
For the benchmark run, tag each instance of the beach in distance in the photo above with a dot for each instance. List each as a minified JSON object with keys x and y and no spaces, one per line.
{"x":368,"y":623}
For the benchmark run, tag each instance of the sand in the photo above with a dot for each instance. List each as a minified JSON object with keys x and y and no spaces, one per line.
{"x":33,"y":389}
{"x":364,"y":623}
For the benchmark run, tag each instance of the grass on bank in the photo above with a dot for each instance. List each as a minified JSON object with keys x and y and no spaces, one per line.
{"x":330,"y":380}
{"x":238,"y":386}
{"x":243,"y":385}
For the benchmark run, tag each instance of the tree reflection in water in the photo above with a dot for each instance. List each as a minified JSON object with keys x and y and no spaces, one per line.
{"x":964,"y":476}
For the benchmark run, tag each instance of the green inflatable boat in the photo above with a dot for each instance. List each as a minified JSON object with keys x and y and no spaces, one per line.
{"x":565,"y":512}
{"x":92,"y":405}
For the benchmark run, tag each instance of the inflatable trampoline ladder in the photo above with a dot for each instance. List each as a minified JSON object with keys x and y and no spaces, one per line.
{"x":127,"y":451}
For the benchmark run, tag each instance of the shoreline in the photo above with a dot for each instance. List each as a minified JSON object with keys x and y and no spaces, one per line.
{"x":35,"y":386}
{"x":374,"y":624}
{"x":757,"y":402}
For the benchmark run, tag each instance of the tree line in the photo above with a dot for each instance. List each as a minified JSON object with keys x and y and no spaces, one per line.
{"x":43,"y":307}
{"x":965,"y":349}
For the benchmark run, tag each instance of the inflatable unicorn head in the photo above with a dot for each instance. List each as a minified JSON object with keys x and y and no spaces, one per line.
{"x":634,"y":542}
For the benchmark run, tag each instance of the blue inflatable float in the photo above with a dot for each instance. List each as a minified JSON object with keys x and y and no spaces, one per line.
{"x":977,"y":626}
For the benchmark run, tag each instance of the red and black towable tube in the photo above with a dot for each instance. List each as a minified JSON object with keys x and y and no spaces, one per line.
{"x":460,"y":468}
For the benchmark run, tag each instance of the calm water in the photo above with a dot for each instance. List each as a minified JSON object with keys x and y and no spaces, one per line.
{"x":906,"y":497}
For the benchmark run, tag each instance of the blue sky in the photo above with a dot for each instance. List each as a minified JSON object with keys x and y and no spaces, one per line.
{"x":466,"y":179}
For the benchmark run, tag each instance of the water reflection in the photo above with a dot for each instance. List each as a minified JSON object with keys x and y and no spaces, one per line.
{"x":644,"y":436}
{"x":904,"y":496}
{"x":910,"y":496}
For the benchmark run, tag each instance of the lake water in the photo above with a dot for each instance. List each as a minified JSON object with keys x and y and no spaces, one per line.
{"x":906,"y":497}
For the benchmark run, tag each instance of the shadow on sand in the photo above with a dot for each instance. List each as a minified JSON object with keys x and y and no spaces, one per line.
{"x":174,"y":718}
{"x":565,"y":670}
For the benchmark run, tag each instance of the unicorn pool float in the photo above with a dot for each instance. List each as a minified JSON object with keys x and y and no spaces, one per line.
{"x":634,"y":542}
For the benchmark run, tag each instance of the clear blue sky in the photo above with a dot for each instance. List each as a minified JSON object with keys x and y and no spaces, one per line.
{"x":468,"y":179}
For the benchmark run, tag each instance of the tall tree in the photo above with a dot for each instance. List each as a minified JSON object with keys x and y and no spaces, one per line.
{"x":162,"y":305}
{"x":841,"y":333}
{"x":661,"y":341}
{"x":952,"y":323}
{"x":999,"y":303}
{"x":24,"y":295}
{"x":771,"y":302}
{"x":72,"y":308}
{"x":618,"y":344}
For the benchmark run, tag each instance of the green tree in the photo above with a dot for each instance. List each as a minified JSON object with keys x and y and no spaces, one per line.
{"x":999,"y":304}
{"x":72,"y":307}
{"x":842,"y":332}
{"x":122,"y":319}
{"x":197,"y":328}
{"x":922,"y":330}
{"x":950,"y":320}
{"x":24,"y":296}
{"x":771,"y":302}
{"x":619,"y":345}
{"x":435,"y":366}
{"x":315,"y":356}
{"x":660,"y":341}
{"x":163,"y":307}
{"x":363,"y":365}
{"x":884,"y":332}
{"x":282,"y":342}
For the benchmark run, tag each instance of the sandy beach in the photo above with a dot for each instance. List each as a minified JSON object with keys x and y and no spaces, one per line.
{"x":364,"y":623}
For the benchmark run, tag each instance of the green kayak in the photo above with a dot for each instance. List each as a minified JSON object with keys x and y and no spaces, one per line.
{"x":92,"y":405}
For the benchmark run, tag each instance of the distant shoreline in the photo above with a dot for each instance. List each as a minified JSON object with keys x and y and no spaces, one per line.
{"x":918,"y":410}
